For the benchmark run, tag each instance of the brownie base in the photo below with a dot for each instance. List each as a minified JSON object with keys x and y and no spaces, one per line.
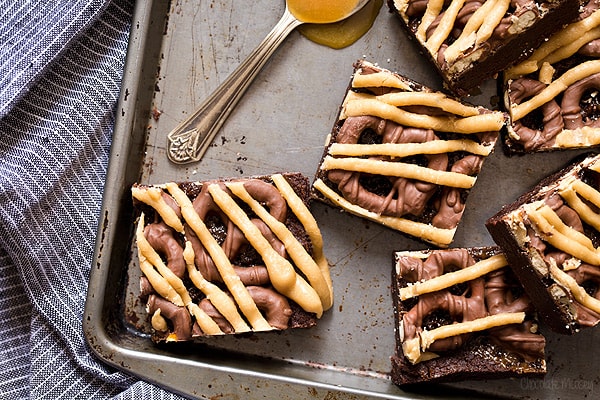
{"x":467,"y":364}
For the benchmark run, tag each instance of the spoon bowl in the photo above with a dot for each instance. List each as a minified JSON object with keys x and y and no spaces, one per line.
{"x":191,"y":138}
{"x":323,"y":12}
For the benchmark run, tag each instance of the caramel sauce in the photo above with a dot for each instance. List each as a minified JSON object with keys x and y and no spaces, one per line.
{"x":319,"y":11}
{"x":342,"y":34}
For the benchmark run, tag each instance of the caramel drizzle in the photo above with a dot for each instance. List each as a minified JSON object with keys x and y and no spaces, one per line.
{"x":204,"y":321}
{"x":441,"y":33}
{"x":414,"y":348}
{"x":378,"y":79}
{"x":230,"y":278}
{"x":558,"y":86}
{"x":553,"y":230}
{"x":148,"y":260}
{"x":294,"y":248}
{"x":410,"y":149}
{"x":478,"y":29}
{"x":363,"y":104}
{"x":546,"y":73}
{"x":447,"y":280}
{"x":571,"y":190}
{"x":158,"y":321}
{"x":434,"y":8}
{"x":438,"y":236}
{"x":310,"y":226}
{"x":560,"y":46}
{"x":168,"y":285}
{"x":408,"y":96}
{"x":580,"y":137}
{"x":153,"y":197}
{"x":281,"y":272}
{"x":464,"y":118}
{"x":399,"y":169}
{"x":431,"y":99}
{"x":222,"y":302}
{"x":578,"y":292}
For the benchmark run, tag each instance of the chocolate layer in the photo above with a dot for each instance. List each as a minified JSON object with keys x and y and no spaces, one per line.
{"x":474,"y":40}
{"x":482,"y":306}
{"x":230,"y":256}
{"x":552,"y":96}
{"x":550,"y":236}
{"x":404,"y":155}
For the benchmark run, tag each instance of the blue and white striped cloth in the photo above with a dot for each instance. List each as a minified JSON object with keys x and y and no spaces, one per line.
{"x":61,"y":64}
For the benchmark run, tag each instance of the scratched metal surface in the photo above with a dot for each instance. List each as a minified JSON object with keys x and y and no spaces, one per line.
{"x":179,"y":52}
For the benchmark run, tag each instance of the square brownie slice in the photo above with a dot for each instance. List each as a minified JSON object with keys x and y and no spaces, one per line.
{"x":472,"y":41}
{"x":552,"y":96}
{"x":230,"y":256}
{"x":550,"y":236}
{"x":404,"y":155}
{"x":462,"y":314}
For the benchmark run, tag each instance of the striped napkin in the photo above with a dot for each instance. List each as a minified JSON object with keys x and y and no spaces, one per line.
{"x":61,"y":64}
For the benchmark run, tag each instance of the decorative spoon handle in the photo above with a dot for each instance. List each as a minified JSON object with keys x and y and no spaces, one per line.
{"x":191,"y":138}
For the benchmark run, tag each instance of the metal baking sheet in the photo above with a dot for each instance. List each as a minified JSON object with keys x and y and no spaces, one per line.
{"x":179,"y":52}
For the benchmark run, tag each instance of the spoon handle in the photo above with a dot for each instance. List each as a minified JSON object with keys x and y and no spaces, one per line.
{"x":191,"y":138}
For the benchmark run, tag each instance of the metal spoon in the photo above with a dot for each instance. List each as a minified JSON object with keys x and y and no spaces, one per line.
{"x":191,"y":138}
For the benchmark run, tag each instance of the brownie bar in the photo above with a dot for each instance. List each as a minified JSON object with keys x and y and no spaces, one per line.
{"x":550,"y":236}
{"x":404,"y":155}
{"x":230,"y":256}
{"x":552,"y":95}
{"x":473,"y":40}
{"x":462,"y":314}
